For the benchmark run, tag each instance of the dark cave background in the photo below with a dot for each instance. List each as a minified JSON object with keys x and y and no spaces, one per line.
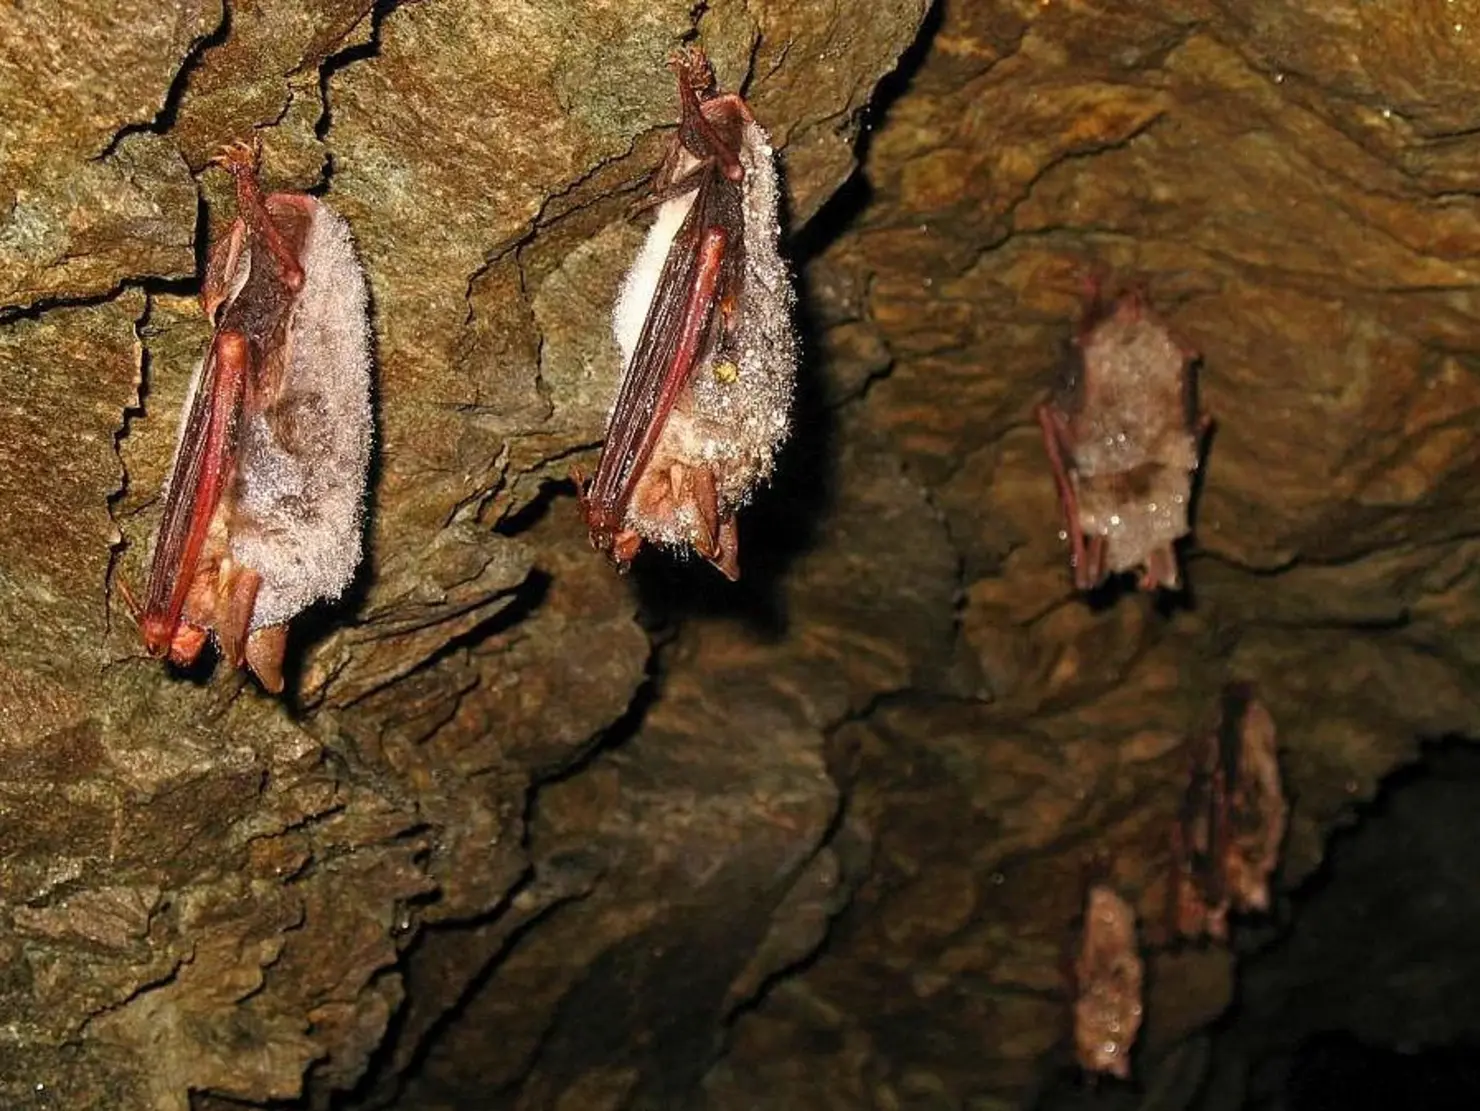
{"x":529,"y":835}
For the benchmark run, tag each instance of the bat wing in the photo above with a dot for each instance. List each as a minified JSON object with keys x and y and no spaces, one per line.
{"x":674,"y":333}
{"x":201,"y":462}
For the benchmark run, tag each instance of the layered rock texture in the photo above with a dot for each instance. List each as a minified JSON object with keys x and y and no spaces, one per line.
{"x":525,"y":834}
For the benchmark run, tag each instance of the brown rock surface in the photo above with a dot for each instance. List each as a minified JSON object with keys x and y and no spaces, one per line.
{"x":823,"y":848}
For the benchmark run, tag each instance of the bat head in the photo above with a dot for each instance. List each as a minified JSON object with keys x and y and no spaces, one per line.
{"x":158,"y":631}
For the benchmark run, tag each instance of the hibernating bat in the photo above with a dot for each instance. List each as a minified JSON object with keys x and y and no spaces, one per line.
{"x":1258,"y":813}
{"x":704,"y":322}
{"x":1108,"y":979}
{"x":1199,"y":893}
{"x":263,"y":510}
{"x":1226,"y":844}
{"x":1124,"y":440}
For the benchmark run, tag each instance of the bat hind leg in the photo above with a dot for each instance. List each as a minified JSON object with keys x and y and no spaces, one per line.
{"x":727,"y":561}
{"x":239,"y":159}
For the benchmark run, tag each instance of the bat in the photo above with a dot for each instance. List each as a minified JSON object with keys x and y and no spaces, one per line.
{"x":1199,"y":893}
{"x":1226,"y":844}
{"x":263,"y":509}
{"x":1258,"y":813}
{"x":704,"y":323}
{"x":1108,"y":978}
{"x":1124,"y":441}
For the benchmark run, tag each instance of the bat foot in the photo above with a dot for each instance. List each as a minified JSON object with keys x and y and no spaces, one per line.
{"x":692,"y":66}
{"x":1160,"y":572}
{"x":241,"y":156}
{"x":728,"y":562}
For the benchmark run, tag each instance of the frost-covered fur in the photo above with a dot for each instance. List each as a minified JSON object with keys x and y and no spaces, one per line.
{"x":1134,"y":452}
{"x":300,"y":484}
{"x":735,"y":427}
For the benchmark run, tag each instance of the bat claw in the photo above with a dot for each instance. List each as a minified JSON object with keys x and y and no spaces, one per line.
{"x":241,"y":156}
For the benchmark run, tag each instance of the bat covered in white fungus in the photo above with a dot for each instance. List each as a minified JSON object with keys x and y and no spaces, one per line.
{"x":704,"y":323}
{"x":1108,"y":978}
{"x":264,"y":506}
{"x":1124,"y":441}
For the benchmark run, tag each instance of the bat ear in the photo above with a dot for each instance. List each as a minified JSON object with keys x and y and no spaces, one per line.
{"x":265,"y":650}
{"x":726,"y":559}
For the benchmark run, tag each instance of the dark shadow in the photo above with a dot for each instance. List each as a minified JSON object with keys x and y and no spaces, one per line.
{"x":1335,"y":1071}
{"x":1337,"y":942}
{"x":539,"y":507}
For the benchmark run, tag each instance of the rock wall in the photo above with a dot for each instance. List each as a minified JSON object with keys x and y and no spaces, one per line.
{"x":814,"y":841}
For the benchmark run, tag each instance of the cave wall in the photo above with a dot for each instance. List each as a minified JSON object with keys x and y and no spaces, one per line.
{"x":207,"y":890}
{"x":1292,"y":184}
{"x":497,"y":842}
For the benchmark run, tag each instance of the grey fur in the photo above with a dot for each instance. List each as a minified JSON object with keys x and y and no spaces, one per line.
{"x":298,"y":513}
